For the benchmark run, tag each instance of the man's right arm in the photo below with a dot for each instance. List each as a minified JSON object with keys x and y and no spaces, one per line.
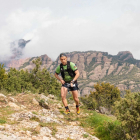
{"x":61,"y":80}
{"x":57,"y":75}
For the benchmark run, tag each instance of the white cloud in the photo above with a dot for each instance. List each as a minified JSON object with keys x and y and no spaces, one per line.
{"x":99,"y":26}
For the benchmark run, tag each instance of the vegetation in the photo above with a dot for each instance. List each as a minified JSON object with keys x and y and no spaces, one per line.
{"x":125,"y":126}
{"x":105,"y":95}
{"x":37,"y":80}
{"x":126,"y":110}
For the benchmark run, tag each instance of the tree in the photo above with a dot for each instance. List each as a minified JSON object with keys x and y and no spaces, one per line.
{"x":128,"y":113}
{"x":105,"y":94}
{"x":3,"y":76}
{"x":43,"y":80}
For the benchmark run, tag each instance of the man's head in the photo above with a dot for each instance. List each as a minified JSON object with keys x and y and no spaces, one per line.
{"x":63,"y":58}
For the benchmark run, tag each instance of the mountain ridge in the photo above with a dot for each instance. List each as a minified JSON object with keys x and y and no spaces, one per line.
{"x":121,"y":70}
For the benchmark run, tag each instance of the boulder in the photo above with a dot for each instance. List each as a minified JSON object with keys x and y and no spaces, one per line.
{"x":45,"y":131}
{"x":50,"y":96}
{"x":35,"y":101}
{"x":12,"y":99}
{"x":3,"y":98}
{"x":2,"y":95}
{"x":16,"y":107}
{"x":44,"y":97}
{"x":104,"y":110}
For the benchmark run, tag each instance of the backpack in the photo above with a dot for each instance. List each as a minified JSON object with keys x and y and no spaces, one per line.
{"x":69,"y":70}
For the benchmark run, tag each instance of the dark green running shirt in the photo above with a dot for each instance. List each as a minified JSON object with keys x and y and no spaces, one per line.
{"x":67,"y":78}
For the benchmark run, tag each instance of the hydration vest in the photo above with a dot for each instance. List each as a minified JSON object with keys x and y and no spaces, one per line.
{"x":69,"y":70}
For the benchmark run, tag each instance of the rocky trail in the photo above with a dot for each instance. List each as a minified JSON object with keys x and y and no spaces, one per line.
{"x":39,"y":117}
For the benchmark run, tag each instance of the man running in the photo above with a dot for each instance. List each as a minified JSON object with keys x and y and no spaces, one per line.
{"x":70,"y":74}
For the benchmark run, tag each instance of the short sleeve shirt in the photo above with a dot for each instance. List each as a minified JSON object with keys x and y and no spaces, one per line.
{"x":67,"y":78}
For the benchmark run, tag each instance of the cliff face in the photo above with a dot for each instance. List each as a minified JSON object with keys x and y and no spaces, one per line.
{"x":122,"y":69}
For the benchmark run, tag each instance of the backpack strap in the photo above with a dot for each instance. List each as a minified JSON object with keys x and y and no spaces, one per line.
{"x":70,"y":71}
{"x":62,"y":71}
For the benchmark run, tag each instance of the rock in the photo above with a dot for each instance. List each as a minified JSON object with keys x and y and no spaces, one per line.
{"x":28,"y":133}
{"x":86,"y":91}
{"x":50,"y":96}
{"x":111,"y":69}
{"x":12,"y":99}
{"x":3,"y":98}
{"x":28,"y":124}
{"x":16,"y":107}
{"x":72,"y":132}
{"x":104,"y":110}
{"x":23,"y":107}
{"x":48,"y":119}
{"x":2,"y":127}
{"x":122,"y":87}
{"x":59,"y":106}
{"x":46,"y":138}
{"x":45,"y":131}
{"x":56,"y":112}
{"x":23,"y":115}
{"x":61,"y":116}
{"x":35,"y":101}
{"x":75,"y":123}
{"x":97,"y":111}
{"x":44,"y":97}
{"x":34,"y":138}
{"x":44,"y":104}
{"x":2,"y":95}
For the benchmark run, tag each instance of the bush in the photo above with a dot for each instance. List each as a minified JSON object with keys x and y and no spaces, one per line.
{"x":128,"y":113}
{"x":105,"y":94}
{"x":90,"y":103}
{"x":37,"y":80}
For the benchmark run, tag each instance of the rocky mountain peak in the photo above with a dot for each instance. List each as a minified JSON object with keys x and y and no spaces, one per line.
{"x":125,"y":55}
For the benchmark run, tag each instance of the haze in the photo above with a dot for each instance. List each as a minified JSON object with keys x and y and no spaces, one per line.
{"x":70,"y":25}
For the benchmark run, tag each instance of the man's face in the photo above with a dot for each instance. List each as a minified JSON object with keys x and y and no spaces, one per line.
{"x":63,"y":60}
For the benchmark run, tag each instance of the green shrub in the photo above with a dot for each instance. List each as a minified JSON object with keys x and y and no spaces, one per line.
{"x":105,"y":94}
{"x":103,"y":125}
{"x":2,"y":121}
{"x":128,"y":113}
{"x":90,"y":103}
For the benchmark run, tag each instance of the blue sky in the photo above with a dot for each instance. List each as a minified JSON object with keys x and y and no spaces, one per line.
{"x":71,"y":25}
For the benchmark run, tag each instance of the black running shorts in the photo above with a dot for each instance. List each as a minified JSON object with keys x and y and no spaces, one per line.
{"x":67,"y":85}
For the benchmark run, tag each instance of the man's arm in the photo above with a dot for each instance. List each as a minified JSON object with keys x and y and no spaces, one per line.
{"x":77,"y":75}
{"x":61,"y":80}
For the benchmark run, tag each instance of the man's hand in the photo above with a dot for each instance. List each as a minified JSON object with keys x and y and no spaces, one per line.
{"x":71,"y":83}
{"x":62,"y":82}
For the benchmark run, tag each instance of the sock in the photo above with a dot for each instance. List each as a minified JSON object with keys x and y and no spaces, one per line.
{"x":77,"y":106}
{"x":67,"y":108}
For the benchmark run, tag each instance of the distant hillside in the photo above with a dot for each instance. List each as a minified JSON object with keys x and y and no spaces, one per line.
{"x":121,"y":69}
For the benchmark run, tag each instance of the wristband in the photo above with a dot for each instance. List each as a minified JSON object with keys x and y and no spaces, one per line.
{"x":72,"y":81}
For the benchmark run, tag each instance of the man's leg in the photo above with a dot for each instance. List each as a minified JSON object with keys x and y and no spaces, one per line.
{"x":63,"y":96}
{"x":64,"y":100}
{"x":75,"y":97}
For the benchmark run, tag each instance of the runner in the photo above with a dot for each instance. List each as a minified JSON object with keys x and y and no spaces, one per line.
{"x":69,"y":73}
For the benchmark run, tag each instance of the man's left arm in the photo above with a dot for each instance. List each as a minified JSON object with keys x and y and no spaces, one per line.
{"x":76,"y":75}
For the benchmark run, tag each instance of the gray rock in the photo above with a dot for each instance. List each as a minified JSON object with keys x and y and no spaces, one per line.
{"x":45,"y":131}
{"x":44,"y":97}
{"x":35,"y":101}
{"x":104,"y":110}
{"x":12,"y":99}
{"x":13,"y":105}
{"x":2,"y":96}
{"x":50,"y":96}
